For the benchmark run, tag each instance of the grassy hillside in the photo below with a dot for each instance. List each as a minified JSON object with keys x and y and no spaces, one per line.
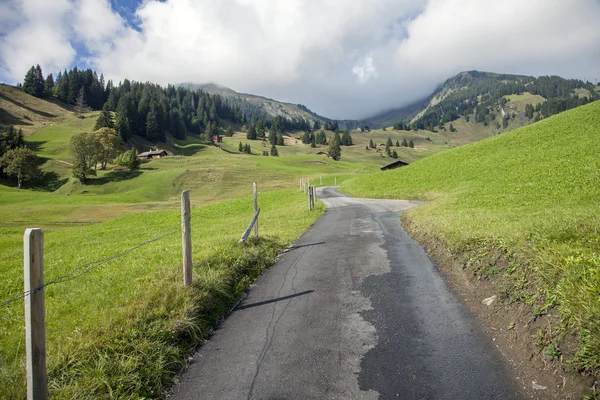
{"x":532,"y":195}
{"x":27,"y":112}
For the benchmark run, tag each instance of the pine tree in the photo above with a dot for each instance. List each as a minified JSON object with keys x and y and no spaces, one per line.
{"x":33,"y":83}
{"x":280,"y":141}
{"x":104,"y":119}
{"x":251,"y":134}
{"x":411,"y":144}
{"x":274,"y":151}
{"x":241,"y":148}
{"x":372,"y":144}
{"x":49,"y":86}
{"x":394,"y":154}
{"x":452,"y":128}
{"x":80,"y":104}
{"x":306,"y":137}
{"x":335,"y":151}
{"x":229,"y":131}
{"x":152,"y":127}
{"x":388,"y":149}
{"x":347,"y":139}
{"x":404,"y":142}
{"x":397,"y":143}
{"x":389,"y":142}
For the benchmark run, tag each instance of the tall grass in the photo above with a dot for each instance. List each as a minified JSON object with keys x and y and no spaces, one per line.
{"x":124,"y":329}
{"x":532,"y":196}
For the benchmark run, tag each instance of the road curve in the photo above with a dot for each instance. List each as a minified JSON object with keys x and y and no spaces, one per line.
{"x":354,"y":310}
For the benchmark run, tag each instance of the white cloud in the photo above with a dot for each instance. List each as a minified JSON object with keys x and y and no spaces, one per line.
{"x":365,"y":70}
{"x":38,"y":36}
{"x":343,"y":58}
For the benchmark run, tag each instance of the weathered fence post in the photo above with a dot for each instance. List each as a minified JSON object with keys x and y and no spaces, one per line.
{"x":309,"y":199}
{"x":255,"y":208}
{"x":303,"y":185}
{"x":35,"y":326}
{"x":186,"y":238}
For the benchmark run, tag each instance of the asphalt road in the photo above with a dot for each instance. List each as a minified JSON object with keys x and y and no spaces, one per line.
{"x":354,"y":310}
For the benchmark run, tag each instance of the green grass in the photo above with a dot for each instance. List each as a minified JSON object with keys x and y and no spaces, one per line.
{"x":52,"y":141}
{"x":123,"y":329}
{"x":519,"y":101}
{"x":532,"y":195}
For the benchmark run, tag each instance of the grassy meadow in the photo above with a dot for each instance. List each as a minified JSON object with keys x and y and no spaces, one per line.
{"x":124,"y":328}
{"x":532,"y":195}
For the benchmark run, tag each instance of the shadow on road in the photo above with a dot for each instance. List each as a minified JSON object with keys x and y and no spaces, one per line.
{"x":262,"y":303}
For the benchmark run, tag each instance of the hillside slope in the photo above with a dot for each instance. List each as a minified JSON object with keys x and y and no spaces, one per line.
{"x":27,"y":112}
{"x":491,"y":102}
{"x":253,"y":104}
{"x":522,"y":210}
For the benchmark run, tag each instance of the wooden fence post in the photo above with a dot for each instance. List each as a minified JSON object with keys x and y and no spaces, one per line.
{"x":35,"y":325}
{"x":314,"y":197}
{"x":186,"y":238}
{"x":309,"y":199}
{"x":255,"y":208}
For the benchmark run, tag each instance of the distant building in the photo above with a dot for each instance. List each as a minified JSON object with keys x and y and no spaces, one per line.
{"x":322,"y":153}
{"x":394,"y":165}
{"x":148,"y":155}
{"x":217,"y":139}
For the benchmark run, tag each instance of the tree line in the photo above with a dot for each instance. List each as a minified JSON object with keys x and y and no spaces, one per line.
{"x":150,"y":111}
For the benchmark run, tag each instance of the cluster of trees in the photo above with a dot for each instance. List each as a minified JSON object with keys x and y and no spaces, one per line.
{"x":481,"y":94}
{"x":244,"y":148}
{"x":16,"y":160}
{"x":71,"y":87}
{"x":100,"y":147}
{"x":150,"y":111}
{"x":321,"y":138}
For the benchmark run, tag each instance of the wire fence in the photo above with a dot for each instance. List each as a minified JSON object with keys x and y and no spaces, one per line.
{"x":94,"y":265}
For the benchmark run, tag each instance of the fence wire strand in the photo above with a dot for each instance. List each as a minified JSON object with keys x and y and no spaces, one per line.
{"x":93,"y":265}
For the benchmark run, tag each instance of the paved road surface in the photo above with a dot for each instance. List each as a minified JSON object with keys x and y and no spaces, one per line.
{"x":355,"y":310}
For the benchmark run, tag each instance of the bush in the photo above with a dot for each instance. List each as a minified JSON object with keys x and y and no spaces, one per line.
{"x":129,"y":160}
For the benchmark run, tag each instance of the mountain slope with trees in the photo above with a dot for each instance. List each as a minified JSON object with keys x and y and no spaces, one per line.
{"x":484,"y":99}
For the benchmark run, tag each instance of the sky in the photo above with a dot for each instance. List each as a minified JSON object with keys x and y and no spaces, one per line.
{"x":344,"y":59}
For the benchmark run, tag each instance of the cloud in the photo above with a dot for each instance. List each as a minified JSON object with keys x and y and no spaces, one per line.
{"x":343,"y":59}
{"x":365,"y":70}
{"x":37,"y":36}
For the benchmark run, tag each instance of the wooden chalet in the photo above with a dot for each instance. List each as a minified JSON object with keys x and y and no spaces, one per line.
{"x":394,"y":165}
{"x":323,"y":153}
{"x":150,"y":154}
{"x":217,"y":139}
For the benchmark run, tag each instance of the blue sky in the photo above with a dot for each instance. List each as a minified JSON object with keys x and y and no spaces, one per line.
{"x":341,"y":58}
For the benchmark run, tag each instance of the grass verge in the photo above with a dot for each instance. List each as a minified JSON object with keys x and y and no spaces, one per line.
{"x":124,"y":329}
